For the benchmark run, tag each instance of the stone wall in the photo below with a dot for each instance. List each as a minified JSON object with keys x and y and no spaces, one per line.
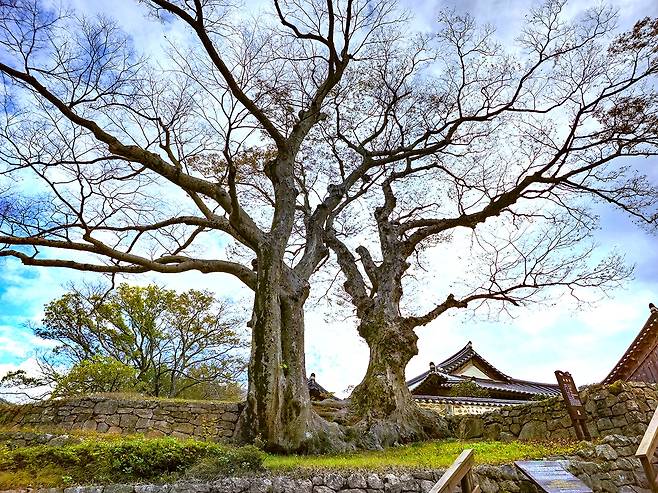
{"x":611,"y":466}
{"x":17,"y":439}
{"x":608,"y":466}
{"x":621,"y":408}
{"x":182,"y":419}
{"x":503,"y":479}
{"x":618,"y":409}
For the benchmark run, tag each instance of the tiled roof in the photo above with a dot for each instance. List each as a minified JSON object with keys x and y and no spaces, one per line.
{"x":315,"y":388}
{"x":643,"y":344}
{"x":443,"y":378}
{"x":412,"y":383}
{"x":520,"y":387}
{"x":463,"y":356}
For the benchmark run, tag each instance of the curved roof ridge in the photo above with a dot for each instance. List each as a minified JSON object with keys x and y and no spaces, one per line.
{"x":463,"y":355}
{"x":426,"y":374}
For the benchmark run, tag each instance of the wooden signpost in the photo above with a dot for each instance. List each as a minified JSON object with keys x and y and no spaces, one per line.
{"x":647,"y":450}
{"x":574,"y":405}
{"x":552,"y":477}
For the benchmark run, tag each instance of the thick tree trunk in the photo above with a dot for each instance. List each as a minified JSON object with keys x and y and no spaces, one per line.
{"x":382,"y":403}
{"x":278,"y":413}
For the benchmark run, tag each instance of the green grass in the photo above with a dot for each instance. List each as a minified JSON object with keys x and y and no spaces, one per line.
{"x":427,"y":455}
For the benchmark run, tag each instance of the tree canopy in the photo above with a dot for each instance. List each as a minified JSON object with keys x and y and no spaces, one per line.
{"x":142,"y":339}
{"x":520,"y":146}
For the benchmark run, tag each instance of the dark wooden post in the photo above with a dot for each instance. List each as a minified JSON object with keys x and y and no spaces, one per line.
{"x":467,"y":482}
{"x":574,"y":405}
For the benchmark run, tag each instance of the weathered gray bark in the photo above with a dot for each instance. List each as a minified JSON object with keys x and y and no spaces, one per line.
{"x":383,"y":388}
{"x":382,"y":403}
{"x":278,"y":411}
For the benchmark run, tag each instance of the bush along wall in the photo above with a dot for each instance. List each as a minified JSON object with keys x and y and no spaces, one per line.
{"x":180,"y":419}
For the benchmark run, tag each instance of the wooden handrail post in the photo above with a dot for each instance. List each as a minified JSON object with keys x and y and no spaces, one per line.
{"x":458,"y":474}
{"x":647,"y":449}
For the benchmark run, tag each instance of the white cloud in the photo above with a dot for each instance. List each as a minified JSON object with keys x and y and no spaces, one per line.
{"x":335,"y":353}
{"x":586,"y":342}
{"x":18,"y":343}
{"x":31,"y":368}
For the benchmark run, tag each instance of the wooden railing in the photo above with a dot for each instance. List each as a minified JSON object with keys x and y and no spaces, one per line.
{"x":459,"y":473}
{"x":646,"y":450}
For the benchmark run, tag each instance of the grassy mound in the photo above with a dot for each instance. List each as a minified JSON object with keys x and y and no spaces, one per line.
{"x":124,"y":460}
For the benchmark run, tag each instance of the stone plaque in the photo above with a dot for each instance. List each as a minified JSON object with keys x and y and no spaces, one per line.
{"x":552,"y":477}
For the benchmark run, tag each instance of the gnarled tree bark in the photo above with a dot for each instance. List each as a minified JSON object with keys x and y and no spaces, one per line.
{"x":135,"y":127}
{"x":278,"y":412}
{"x":382,"y":403}
{"x":508,"y":151}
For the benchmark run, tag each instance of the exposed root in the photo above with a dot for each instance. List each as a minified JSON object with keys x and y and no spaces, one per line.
{"x":331,"y":427}
{"x":402,"y":426}
{"x":373,"y":432}
{"x":311,"y":434}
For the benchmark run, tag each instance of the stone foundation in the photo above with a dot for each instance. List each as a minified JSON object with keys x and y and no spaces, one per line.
{"x":182,"y":419}
{"x":411,"y":482}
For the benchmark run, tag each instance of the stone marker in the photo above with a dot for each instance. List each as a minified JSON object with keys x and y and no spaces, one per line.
{"x":552,"y":477}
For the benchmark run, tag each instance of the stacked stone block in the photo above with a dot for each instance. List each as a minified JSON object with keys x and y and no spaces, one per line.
{"x":618,"y":409}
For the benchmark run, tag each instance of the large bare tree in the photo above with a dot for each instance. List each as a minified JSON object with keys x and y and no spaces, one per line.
{"x":257,"y":138}
{"x":129,"y":166}
{"x":496,"y":154}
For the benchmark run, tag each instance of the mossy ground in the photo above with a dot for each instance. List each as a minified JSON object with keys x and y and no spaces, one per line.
{"x":102,"y":458}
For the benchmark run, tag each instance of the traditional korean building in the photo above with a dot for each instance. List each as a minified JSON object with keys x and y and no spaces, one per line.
{"x":466,"y":383}
{"x":640,"y":361}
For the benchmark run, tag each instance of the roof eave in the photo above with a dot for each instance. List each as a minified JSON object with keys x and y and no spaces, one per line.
{"x":624,"y":362}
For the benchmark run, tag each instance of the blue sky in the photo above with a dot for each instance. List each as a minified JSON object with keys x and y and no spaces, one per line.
{"x":539,"y":340}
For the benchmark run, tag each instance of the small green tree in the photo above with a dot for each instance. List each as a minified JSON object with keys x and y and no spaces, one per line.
{"x":98,"y":374}
{"x":146,"y":339}
{"x":230,"y":392}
